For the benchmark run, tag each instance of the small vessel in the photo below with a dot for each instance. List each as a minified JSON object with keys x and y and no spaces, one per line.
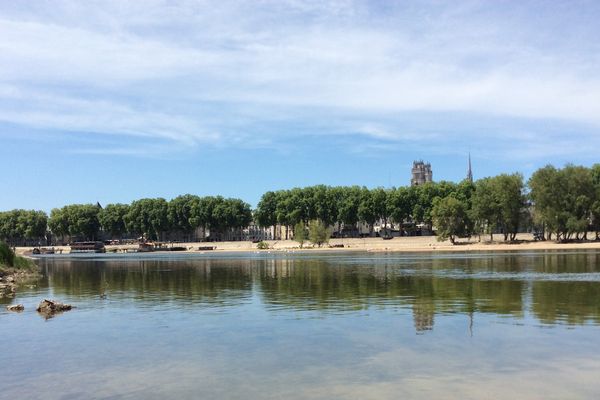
{"x":146,"y":247}
{"x":87,"y":247}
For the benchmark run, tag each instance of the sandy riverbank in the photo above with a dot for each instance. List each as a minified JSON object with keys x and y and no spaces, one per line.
{"x":398,"y":244}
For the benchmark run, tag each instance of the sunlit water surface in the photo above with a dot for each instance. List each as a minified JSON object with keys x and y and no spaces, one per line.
{"x":310,"y":326}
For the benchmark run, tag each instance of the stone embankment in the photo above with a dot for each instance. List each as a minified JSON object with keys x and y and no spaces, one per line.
{"x":10,"y":278}
{"x":8,"y":286}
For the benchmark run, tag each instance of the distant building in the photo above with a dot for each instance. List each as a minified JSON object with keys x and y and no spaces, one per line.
{"x":421,"y":173}
{"x":470,"y":171}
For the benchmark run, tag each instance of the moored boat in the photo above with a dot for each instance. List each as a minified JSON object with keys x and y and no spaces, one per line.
{"x":87,"y":247}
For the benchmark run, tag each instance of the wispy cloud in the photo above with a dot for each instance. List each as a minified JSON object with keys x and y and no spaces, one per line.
{"x":227,"y":72}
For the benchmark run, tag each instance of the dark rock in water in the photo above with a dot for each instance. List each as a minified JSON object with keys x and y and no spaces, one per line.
{"x":49,"y":308}
{"x":15,"y":307}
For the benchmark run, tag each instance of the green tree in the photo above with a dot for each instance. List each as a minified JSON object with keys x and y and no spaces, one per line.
{"x":318,"y":232}
{"x":424,"y":197}
{"x":510,"y":196}
{"x":563,"y":200}
{"x":112,"y":219}
{"x":229,"y":214}
{"x":349,"y":204}
{"x":83,"y":220}
{"x":181,"y":213}
{"x":485,"y":208}
{"x":265,"y":214}
{"x":148,"y":217}
{"x":367,"y":209}
{"x":380,"y":205}
{"x":399,"y":205}
{"x":595,"y":208}
{"x":498,"y":203}
{"x":202,"y":212}
{"x":450,"y":218}
{"x":35,"y":224}
{"x":300,"y":233}
{"x":59,"y":222}
{"x":79,"y":221}
{"x":19,"y":225}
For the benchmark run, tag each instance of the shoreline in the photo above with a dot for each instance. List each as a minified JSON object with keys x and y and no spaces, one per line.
{"x":11,"y":277}
{"x":412,"y":244}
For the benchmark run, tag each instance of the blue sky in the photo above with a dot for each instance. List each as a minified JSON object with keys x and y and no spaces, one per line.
{"x":112,"y":101}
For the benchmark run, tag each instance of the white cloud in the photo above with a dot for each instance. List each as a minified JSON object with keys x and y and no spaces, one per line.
{"x":201,"y":71}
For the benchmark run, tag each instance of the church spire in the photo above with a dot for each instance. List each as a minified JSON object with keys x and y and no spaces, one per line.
{"x":470,"y":171}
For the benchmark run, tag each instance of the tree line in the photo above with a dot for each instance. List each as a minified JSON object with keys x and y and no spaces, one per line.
{"x":560,"y":203}
{"x":154,"y":218}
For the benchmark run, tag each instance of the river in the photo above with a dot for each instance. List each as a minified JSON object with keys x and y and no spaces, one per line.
{"x":511,"y":325}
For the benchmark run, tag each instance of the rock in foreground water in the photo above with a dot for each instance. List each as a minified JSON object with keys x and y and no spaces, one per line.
{"x":15,"y":307}
{"x":50,"y":307}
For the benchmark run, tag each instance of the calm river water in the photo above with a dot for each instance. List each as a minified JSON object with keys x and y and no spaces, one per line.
{"x":309,"y":326}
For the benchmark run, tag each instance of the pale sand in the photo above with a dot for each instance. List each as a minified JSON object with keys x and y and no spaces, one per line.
{"x":397,"y":244}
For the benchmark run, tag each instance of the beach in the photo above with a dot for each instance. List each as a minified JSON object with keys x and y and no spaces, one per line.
{"x":524,"y":242}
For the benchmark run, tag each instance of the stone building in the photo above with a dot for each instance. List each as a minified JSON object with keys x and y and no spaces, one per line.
{"x":470,"y":171}
{"x":421,"y":173}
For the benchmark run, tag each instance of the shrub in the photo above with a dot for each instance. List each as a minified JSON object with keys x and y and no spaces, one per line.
{"x":318,"y":233}
{"x":300,"y":233}
{"x":7,"y":255}
{"x":262,"y":245}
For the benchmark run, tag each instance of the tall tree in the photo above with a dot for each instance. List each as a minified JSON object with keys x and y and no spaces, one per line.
{"x":318,"y":232}
{"x":485,"y":208}
{"x":498,"y":204}
{"x":400,"y":205}
{"x":148,"y":217}
{"x":563,"y":200}
{"x":181,"y":213}
{"x":300,"y":233}
{"x":510,"y":197}
{"x":595,"y":209}
{"x":450,"y":218}
{"x":59,"y":222}
{"x":265,"y":214}
{"x":380,"y":205}
{"x":112,"y":219}
{"x":79,"y":221}
{"x":83,"y":221}
{"x":367,"y":209}
{"x":349,"y":204}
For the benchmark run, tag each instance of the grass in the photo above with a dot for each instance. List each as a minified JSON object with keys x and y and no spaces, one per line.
{"x":23,"y":270}
{"x":24,"y":263}
{"x":11,"y":263}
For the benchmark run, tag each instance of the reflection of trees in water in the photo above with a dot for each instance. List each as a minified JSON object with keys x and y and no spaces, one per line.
{"x":571,"y":302}
{"x":427,"y":286}
{"x":181,"y":281}
{"x":423,"y":314}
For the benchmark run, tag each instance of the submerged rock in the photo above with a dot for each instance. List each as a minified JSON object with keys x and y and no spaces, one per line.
{"x":49,"y":308}
{"x":15,"y":307}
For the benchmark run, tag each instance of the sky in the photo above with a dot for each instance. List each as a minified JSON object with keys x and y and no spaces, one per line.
{"x":113,"y":101}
